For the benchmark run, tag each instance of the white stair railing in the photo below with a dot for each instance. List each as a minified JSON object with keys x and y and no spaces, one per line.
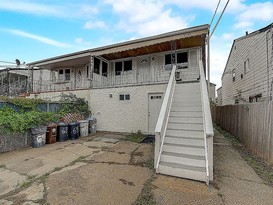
{"x":162,"y":121}
{"x":208,"y":127}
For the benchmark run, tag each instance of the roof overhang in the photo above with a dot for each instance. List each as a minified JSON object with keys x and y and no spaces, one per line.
{"x":185,"y":38}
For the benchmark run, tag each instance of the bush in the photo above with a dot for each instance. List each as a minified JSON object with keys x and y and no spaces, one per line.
{"x":20,"y":122}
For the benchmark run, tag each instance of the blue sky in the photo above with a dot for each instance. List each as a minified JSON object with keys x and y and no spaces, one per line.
{"x":32,"y":30}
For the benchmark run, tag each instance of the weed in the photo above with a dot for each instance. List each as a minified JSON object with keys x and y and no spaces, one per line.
{"x":56,"y":169}
{"x":30,"y":177}
{"x":79,"y":159}
{"x":2,"y":166}
{"x":146,"y":196}
{"x":136,"y":137}
{"x":26,"y":184}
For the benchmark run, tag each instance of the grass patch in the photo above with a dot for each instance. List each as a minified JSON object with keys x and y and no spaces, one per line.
{"x":136,"y":137}
{"x":56,"y":169}
{"x":43,"y":177}
{"x":262,"y":169}
{"x":79,"y":159}
{"x":2,"y":166}
{"x":146,"y":196}
{"x":26,"y":184}
{"x":31,"y":177}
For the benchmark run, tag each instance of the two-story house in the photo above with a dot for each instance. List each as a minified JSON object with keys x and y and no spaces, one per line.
{"x":248,"y":75}
{"x":154,"y":84}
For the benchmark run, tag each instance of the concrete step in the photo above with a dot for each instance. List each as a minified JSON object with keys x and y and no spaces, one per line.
{"x":183,"y":133}
{"x":182,"y":126}
{"x":184,"y":159}
{"x":184,"y":149}
{"x":185,"y":114}
{"x":192,"y":120}
{"x":184,"y":141}
{"x":186,"y":108}
{"x":183,"y":171}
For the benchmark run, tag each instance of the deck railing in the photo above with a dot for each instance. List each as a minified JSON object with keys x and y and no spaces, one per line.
{"x":148,"y":75}
{"x":161,"y":126}
{"x":207,"y":121}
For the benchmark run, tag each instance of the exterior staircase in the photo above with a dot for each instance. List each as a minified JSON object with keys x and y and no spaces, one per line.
{"x":183,"y":151}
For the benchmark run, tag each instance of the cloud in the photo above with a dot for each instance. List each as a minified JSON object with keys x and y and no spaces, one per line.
{"x":95,"y":24}
{"x":254,"y":13}
{"x":65,"y":10}
{"x":146,"y":17}
{"x":42,"y":39}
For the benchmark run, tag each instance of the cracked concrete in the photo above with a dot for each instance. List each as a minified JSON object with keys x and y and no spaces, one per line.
{"x":105,"y":169}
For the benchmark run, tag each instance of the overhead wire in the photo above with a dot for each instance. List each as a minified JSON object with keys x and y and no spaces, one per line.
{"x":219,"y":19}
{"x":216,"y":9}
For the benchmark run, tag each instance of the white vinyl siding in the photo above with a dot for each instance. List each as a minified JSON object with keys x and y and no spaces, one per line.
{"x":257,"y":78}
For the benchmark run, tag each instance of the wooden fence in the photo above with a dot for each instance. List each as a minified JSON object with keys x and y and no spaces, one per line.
{"x":252,"y":124}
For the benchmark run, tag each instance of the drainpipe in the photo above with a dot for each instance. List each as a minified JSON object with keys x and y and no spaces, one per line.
{"x":208,"y":62}
{"x":267,"y":65}
{"x":8,"y":88}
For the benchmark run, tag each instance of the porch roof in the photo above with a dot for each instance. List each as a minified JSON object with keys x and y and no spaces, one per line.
{"x":185,"y":38}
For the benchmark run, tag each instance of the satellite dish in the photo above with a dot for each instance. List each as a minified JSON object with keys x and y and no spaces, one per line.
{"x":18,"y":63}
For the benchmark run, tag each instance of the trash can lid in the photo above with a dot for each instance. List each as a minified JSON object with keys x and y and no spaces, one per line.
{"x":62,"y":124}
{"x":74,"y":123}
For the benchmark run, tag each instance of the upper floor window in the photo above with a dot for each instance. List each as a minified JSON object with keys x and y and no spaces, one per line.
{"x":62,"y":74}
{"x":123,"y":66}
{"x":233,"y":75}
{"x":246,"y":66}
{"x":180,"y":58}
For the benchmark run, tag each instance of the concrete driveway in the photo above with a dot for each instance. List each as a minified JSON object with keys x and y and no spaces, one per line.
{"x":106,"y":169}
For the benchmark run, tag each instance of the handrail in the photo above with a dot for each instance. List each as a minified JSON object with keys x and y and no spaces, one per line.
{"x":161,"y":124}
{"x":208,"y":128}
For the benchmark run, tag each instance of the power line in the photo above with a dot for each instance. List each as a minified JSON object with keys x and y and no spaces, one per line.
{"x":219,"y":19}
{"x":215,"y":12}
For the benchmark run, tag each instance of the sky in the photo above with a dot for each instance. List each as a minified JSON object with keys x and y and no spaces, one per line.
{"x":32,"y":30}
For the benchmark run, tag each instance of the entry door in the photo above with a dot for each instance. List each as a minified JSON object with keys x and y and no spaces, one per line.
{"x":155,"y":102}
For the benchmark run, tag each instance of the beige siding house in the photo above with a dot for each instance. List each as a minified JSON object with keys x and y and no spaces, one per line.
{"x":155,"y":84}
{"x":248,"y":73}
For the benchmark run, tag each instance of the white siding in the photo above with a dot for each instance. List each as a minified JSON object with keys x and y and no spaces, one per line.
{"x":256,"y":80}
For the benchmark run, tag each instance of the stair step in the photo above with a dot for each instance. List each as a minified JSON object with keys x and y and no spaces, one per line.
{"x":194,"y":103}
{"x":185,"y":114}
{"x":183,"y":171}
{"x":183,"y":159}
{"x":184,"y":133}
{"x":186,"y":108}
{"x":186,"y":120}
{"x":182,"y":126}
{"x":184,"y":141}
{"x":184,"y":149}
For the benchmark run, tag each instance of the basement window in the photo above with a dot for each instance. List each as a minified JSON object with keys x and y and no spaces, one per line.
{"x":123,"y":97}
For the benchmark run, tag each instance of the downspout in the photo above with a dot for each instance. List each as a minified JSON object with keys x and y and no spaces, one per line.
{"x":208,"y":64}
{"x":267,"y":65}
{"x":8,"y":88}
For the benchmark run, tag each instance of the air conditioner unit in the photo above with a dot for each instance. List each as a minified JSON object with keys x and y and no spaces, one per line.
{"x":178,"y":76}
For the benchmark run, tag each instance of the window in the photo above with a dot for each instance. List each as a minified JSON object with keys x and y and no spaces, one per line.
{"x":104,"y":68}
{"x":123,"y":66}
{"x":96,"y":65}
{"x":124,"y":97}
{"x":233,"y":75}
{"x":246,"y":66}
{"x":61,"y":75}
{"x":181,"y":58}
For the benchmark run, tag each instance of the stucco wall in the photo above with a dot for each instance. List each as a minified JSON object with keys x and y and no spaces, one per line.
{"x":123,"y":116}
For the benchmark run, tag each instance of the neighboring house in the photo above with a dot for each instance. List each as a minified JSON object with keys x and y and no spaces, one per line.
{"x":248,"y":75}
{"x":151,"y":84}
{"x":212,"y":92}
{"x":219,"y":96}
{"x":16,"y":81}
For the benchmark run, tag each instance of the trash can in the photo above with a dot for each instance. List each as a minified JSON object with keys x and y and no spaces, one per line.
{"x":51,"y":133}
{"x":62,"y":132}
{"x":83,"y":128}
{"x":38,"y":136}
{"x":92,"y":128}
{"x":73,"y":130}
